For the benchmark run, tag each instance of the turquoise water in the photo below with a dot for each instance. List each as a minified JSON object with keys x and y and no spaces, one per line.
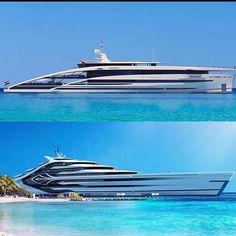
{"x":117,"y":107}
{"x":154,"y":217}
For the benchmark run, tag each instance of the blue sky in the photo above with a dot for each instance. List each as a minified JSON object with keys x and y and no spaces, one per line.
{"x":38,"y":38}
{"x":142,"y":146}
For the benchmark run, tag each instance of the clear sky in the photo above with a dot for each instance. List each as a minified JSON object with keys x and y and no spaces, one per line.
{"x":142,"y":146}
{"x":38,"y":38}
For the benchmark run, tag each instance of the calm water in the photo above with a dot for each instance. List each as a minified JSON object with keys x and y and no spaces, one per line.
{"x":156,"y":217}
{"x":117,"y":107}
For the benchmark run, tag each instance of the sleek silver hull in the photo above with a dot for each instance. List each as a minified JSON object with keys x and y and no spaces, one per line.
{"x":142,"y":84}
{"x":176,"y":184}
{"x":92,"y":179}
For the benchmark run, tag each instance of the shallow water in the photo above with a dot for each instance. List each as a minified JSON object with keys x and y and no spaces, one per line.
{"x":117,"y":107}
{"x":152,"y":217}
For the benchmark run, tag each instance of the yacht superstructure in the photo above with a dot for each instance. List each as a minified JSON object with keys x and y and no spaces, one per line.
{"x":106,"y":76}
{"x":63,"y":175}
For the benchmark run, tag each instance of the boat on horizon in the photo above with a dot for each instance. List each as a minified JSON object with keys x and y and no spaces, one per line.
{"x":61,"y":174}
{"x":105,"y":76}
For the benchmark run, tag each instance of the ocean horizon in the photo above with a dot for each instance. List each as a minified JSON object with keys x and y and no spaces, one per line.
{"x":162,"y":216}
{"x":117,"y":107}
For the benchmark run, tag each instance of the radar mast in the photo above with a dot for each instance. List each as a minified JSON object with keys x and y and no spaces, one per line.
{"x":58,"y":153}
{"x":101,"y":56}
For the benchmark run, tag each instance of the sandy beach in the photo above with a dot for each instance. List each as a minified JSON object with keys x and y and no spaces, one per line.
{"x":24,"y":199}
{"x":12,"y":199}
{"x":5,"y":234}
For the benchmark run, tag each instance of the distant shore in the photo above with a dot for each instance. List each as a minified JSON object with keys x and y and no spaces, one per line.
{"x":25,"y":199}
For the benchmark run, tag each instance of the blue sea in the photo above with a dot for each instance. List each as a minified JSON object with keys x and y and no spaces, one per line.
{"x":150,"y":217}
{"x":117,"y":107}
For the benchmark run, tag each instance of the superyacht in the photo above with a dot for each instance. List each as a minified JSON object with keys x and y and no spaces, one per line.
{"x":61,"y":174}
{"x":105,"y":76}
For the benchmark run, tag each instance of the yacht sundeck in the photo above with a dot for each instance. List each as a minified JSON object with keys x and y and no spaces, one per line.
{"x":63,"y":175}
{"x":105,"y":76}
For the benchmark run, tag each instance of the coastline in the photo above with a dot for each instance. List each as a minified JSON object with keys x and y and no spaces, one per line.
{"x":24,"y":199}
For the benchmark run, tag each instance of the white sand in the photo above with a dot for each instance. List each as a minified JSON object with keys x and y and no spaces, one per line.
{"x":16,"y":199}
{"x":5,"y":234}
{"x":24,"y":199}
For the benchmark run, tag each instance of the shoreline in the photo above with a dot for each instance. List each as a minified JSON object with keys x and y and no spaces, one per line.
{"x":5,"y":200}
{"x":25,"y":199}
{"x":5,"y":234}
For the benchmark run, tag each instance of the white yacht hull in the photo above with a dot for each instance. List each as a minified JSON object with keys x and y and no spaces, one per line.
{"x":105,"y":76}
{"x":142,"y":84}
{"x":127,"y":91}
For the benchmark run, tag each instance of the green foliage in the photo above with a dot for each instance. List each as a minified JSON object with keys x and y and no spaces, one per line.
{"x":9,"y":187}
{"x":74,"y":196}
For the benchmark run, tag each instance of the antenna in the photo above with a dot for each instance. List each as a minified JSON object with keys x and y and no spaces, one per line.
{"x":102,"y":57}
{"x":59,"y":153}
{"x":101,"y":44}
